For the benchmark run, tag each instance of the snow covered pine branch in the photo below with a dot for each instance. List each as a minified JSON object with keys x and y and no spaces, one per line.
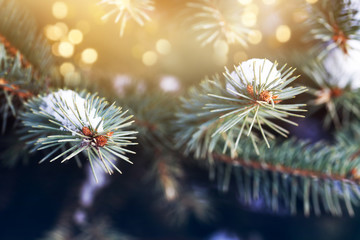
{"x":71,"y":123}
{"x":250,"y":97}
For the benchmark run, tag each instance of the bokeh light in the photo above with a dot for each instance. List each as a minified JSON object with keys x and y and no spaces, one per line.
{"x":149,"y":58}
{"x":255,"y":37}
{"x":300,"y":15}
{"x":120,"y":83}
{"x":59,"y":10}
{"x":163,"y":46}
{"x":66,"y":68}
{"x":269,"y":2}
{"x":169,"y":84}
{"x":75,"y":36}
{"x":248,"y":19}
{"x":66,"y":49}
{"x":89,"y":56}
{"x":283,"y":33}
{"x":311,"y":1}
{"x":64,"y":28}
{"x":245,"y":2}
{"x":55,"y":49}
{"x":53,"y":33}
{"x":252,"y":8}
{"x":170,"y":193}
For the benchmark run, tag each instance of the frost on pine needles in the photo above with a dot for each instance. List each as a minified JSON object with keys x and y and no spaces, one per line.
{"x":69,"y":123}
{"x":246,"y":102}
{"x":258,"y":89}
{"x":75,"y":115}
{"x":338,"y":84}
{"x":259,"y":73}
{"x":344,"y":67}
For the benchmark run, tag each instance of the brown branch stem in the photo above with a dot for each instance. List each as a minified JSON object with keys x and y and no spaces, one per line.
{"x":283,"y":169}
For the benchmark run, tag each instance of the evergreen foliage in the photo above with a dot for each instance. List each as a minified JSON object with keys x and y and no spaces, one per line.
{"x":73,"y":123}
{"x":26,"y":62}
{"x":223,"y":110}
{"x":215,"y":21}
{"x":332,"y":25}
{"x":340,"y":102}
{"x":126,"y":10}
{"x":228,"y":122}
{"x":320,"y":174}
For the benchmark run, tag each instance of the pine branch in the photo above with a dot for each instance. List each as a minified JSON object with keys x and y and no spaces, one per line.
{"x":248,"y":100}
{"x":155,"y":122}
{"x":215,"y":21}
{"x":168,"y":173}
{"x":154,"y":118}
{"x":97,"y":230}
{"x":18,"y":81}
{"x":335,"y":92}
{"x":26,"y":60}
{"x":192,"y":202}
{"x":103,"y":230}
{"x":126,"y":10}
{"x":73,"y":123}
{"x":14,"y":152}
{"x":332,"y":24}
{"x":319,"y":174}
{"x":20,"y":29}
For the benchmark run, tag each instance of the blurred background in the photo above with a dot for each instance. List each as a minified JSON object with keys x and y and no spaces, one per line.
{"x":82,"y":39}
{"x":53,"y":200}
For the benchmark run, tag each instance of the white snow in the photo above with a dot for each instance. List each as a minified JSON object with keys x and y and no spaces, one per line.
{"x":344,"y":68}
{"x":67,"y":99}
{"x":254,"y":69}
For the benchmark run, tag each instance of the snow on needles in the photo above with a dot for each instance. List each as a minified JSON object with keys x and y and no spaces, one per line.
{"x":254,"y":70}
{"x":344,"y":67}
{"x":70,"y":109}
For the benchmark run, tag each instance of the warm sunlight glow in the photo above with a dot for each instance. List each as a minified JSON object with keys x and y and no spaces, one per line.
{"x":245,"y":2}
{"x":149,"y":58}
{"x":163,"y":46}
{"x":53,"y":33}
{"x":66,"y":67}
{"x":248,"y":19}
{"x":269,"y":2}
{"x":59,"y":10}
{"x":66,"y":49}
{"x":283,"y":33}
{"x":89,"y":56}
{"x":255,"y":37}
{"x":75,"y":36}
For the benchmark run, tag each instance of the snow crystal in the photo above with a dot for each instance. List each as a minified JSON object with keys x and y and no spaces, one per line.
{"x":67,"y":99}
{"x":247,"y":74}
{"x":344,"y":68}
